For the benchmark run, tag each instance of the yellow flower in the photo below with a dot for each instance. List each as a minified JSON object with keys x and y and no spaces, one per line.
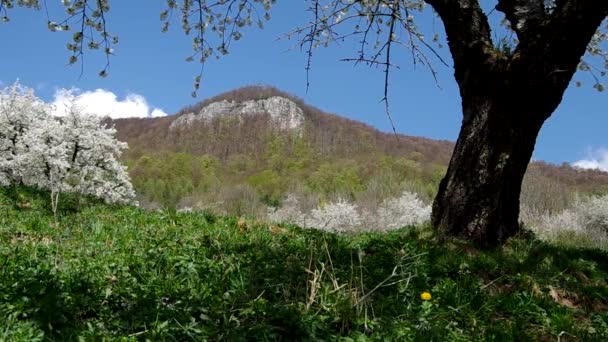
{"x":425,"y":296}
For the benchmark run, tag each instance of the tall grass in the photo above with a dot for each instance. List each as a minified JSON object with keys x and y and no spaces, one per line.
{"x":124,"y":274}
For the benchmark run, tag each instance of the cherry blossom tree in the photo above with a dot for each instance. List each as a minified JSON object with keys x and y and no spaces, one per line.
{"x":93,"y":157}
{"x":75,"y":153}
{"x":20,"y":110}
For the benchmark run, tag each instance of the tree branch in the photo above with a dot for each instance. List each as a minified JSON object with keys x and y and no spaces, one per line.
{"x":468,"y":33}
{"x":573,"y":23}
{"x":547,"y":57}
{"x":558,"y":45}
{"x":523,"y":15}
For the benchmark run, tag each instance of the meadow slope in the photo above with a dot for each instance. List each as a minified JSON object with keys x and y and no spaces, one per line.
{"x":124,"y":274}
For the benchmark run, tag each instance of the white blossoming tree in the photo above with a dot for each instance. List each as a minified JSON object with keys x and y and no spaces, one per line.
{"x":343,"y":217}
{"x":93,"y":152}
{"x":587,"y":217}
{"x":288,"y":212}
{"x":72,"y":154}
{"x":20,"y":109}
{"x":45,"y":162}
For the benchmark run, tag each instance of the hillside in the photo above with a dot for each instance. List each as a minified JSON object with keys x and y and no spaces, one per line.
{"x":330,"y":134}
{"x":262,"y":143}
{"x":125,"y":274}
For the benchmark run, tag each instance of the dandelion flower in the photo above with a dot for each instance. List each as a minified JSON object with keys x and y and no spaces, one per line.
{"x":425,"y":296}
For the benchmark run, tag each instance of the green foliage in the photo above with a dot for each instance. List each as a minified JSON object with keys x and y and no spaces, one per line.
{"x":288,"y":162}
{"x":123,"y":274}
{"x":14,"y":329}
{"x":32,"y":199}
{"x":240,"y":201}
{"x":169,"y":178}
{"x":269,"y":185}
{"x":336,"y":179}
{"x":239,"y":164}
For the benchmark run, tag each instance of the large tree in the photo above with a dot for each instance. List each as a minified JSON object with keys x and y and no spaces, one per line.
{"x":509,"y":86}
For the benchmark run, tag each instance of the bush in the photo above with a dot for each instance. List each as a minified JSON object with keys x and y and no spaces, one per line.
{"x":289,"y":212}
{"x":587,"y":218}
{"x":595,"y":213}
{"x":340,"y":216}
{"x":14,"y":329}
{"x":404,"y":211}
{"x":343,"y":216}
{"x":241,"y":200}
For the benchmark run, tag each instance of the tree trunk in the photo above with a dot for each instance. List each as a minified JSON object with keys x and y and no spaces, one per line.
{"x":506,"y":97}
{"x":478,"y":199}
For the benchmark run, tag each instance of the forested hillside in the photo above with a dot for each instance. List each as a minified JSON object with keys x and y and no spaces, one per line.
{"x":223,"y":162}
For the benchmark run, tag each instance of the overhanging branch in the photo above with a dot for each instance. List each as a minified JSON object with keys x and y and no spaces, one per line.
{"x":562,"y":39}
{"x":523,"y":15}
{"x":468,"y":33}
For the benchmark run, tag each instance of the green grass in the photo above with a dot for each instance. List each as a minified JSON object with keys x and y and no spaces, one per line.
{"x":123,"y":274}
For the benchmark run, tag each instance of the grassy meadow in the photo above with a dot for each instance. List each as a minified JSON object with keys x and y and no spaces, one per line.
{"x":105,"y":273}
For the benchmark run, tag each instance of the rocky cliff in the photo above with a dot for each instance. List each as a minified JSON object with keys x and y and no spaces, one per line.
{"x":285,"y":113}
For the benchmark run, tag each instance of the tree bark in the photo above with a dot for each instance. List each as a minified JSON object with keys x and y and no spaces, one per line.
{"x":478,"y":199}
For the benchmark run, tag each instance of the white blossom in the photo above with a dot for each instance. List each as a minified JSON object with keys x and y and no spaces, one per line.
{"x":93,"y":155}
{"x":587,"y":215}
{"x":340,"y":216}
{"x":19,"y":110}
{"x":289,"y":212}
{"x":343,"y":216}
{"x":72,"y":154}
{"x":405,"y":210}
{"x":595,"y":213}
{"x":46,"y":161}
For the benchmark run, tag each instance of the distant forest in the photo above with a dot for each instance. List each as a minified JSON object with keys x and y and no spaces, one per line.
{"x":225,"y":163}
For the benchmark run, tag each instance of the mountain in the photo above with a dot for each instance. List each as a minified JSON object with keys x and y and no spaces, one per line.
{"x":332,"y":135}
{"x":273,"y":143}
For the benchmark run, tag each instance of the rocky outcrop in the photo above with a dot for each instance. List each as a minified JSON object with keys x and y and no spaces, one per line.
{"x":285,"y":113}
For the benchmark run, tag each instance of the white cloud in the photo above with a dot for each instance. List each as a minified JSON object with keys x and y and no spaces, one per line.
{"x":106,"y":103}
{"x":596,"y":159}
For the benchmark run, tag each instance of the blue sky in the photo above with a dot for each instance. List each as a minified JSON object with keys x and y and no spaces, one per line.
{"x":149,"y":70}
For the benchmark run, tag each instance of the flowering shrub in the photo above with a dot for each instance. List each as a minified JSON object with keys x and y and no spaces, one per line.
{"x":565,"y":220}
{"x":289,"y":212}
{"x":340,"y":216}
{"x":595,"y":213}
{"x":584,"y":215}
{"x":405,"y":210}
{"x":343,"y":216}
{"x":587,"y":218}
